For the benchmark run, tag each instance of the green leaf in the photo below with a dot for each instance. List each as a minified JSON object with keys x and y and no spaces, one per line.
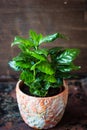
{"x":63,"y":75}
{"x":20,"y":57}
{"x":33,"y":34}
{"x":42,"y":52}
{"x":55,"y":50}
{"x":36,"y":88}
{"x":40,"y":93}
{"x":59,"y":82}
{"x":23,"y":61}
{"x":37,"y":56}
{"x":49,"y":38}
{"x":47,"y":85}
{"x":50,"y":78}
{"x":24,"y":65}
{"x":13,"y":65}
{"x":27,"y":77}
{"x":45,"y":67}
{"x":24,"y":57}
{"x":68,"y":68}
{"x":52,"y":37}
{"x":68,"y":56}
{"x":35,"y":37}
{"x":62,"y":36}
{"x":18,"y":40}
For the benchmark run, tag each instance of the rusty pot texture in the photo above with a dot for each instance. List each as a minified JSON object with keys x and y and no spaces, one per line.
{"x":41,"y":113}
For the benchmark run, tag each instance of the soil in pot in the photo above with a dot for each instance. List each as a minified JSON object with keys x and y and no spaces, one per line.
{"x":51,"y":92}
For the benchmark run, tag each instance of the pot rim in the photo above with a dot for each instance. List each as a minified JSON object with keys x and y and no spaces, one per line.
{"x":61,"y":93}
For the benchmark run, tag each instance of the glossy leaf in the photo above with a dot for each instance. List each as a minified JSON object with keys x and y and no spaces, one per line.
{"x":38,"y":92}
{"x":52,"y":37}
{"x":21,"y":57}
{"x":13,"y":65}
{"x":55,"y":50}
{"x":37,"y":56}
{"x":23,"y":61}
{"x":68,"y":56}
{"x":50,"y":78}
{"x":63,"y":75}
{"x":42,"y":52}
{"x":27,"y":77}
{"x":35,"y":37}
{"x":19,"y":40}
{"x":68,"y":68}
{"x":47,"y":86}
{"x":36,"y":88}
{"x":45,"y":67}
{"x":23,"y":65}
{"x":59,"y":82}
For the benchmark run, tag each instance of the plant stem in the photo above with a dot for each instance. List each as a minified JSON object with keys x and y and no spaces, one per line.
{"x":34,"y":74}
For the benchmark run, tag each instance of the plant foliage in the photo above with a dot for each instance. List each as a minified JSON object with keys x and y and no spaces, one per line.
{"x":42,"y":68}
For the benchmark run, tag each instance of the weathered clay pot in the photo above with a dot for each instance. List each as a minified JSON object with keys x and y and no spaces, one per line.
{"x":41,"y":113}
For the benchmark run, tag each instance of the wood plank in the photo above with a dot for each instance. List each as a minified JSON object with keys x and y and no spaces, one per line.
{"x":46,"y":17}
{"x":85,"y":16}
{"x":45,"y":5}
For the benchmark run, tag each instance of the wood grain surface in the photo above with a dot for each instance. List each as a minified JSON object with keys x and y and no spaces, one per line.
{"x":45,"y":16}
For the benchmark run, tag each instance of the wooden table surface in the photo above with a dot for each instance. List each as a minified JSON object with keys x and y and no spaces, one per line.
{"x":17,"y":17}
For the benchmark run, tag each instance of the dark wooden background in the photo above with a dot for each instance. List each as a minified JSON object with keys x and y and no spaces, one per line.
{"x":45,"y":16}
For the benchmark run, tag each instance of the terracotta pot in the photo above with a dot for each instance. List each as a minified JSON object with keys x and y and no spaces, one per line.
{"x":41,"y":113}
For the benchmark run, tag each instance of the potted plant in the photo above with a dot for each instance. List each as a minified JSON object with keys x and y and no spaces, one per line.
{"x":42,"y":91}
